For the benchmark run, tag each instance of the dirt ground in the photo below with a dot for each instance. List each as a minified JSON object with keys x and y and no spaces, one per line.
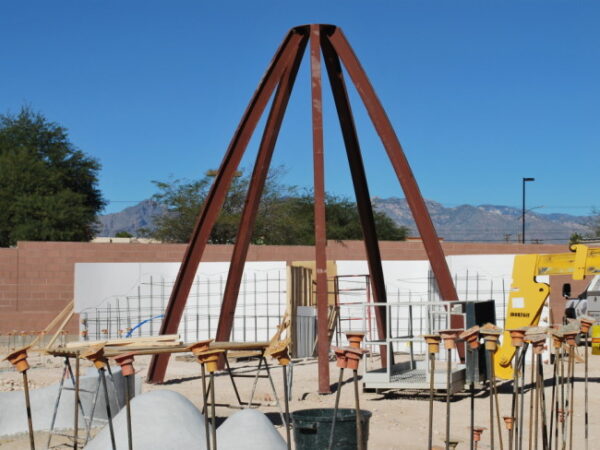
{"x":399,"y":420}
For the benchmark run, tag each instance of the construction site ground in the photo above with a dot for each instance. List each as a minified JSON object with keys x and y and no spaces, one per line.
{"x":399,"y":419}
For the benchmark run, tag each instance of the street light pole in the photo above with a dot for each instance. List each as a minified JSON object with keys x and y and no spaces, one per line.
{"x":523,"y":216}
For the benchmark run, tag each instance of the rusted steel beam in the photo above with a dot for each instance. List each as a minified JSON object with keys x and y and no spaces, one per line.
{"x":218,"y":192}
{"x":403,"y":171}
{"x":257,"y":183}
{"x":402,"y":168}
{"x":320,"y":219}
{"x":361,"y":188}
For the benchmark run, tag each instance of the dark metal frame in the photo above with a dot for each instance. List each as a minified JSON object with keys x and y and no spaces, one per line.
{"x":281,"y":74}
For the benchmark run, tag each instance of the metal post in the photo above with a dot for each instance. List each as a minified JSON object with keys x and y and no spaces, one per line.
{"x":572,"y":392}
{"x":522,"y":394}
{"x":335,"y":408}
{"x":128,"y":398}
{"x":545,"y":444}
{"x":491,"y":391}
{"x":28,"y":407}
{"x":587,"y":336}
{"x":359,"y":430}
{"x":108,"y":413}
{"x":514,"y":431}
{"x":287,"y":409}
{"x":523,"y":231}
{"x":213,"y":411}
{"x":204,"y":408}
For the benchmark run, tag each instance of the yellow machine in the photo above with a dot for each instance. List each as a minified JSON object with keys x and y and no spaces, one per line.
{"x":527,"y":296}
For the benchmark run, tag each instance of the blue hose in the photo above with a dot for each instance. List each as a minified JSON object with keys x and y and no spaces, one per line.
{"x":142,"y":323}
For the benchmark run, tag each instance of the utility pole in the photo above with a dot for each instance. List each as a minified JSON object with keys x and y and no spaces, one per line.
{"x":523,"y":217}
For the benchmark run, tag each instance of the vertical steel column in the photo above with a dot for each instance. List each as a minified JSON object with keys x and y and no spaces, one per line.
{"x":361,"y":189}
{"x":403,"y":171}
{"x":257,"y":183}
{"x":320,"y":220}
{"x":217,"y":194}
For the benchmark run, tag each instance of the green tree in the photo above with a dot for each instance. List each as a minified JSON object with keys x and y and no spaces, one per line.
{"x":48,"y":188}
{"x":123,"y":234}
{"x":575,"y":238}
{"x":594,"y":224}
{"x":285,"y":215}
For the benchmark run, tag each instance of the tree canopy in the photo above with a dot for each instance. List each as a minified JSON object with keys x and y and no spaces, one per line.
{"x":48,"y":187}
{"x":285,"y":216}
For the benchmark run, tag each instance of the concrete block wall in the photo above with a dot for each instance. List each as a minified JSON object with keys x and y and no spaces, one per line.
{"x":37,"y":278}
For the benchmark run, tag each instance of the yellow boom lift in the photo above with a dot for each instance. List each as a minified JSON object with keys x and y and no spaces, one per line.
{"x":527,"y":296}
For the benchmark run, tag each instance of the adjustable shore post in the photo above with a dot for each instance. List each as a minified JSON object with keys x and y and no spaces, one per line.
{"x":491,"y":335}
{"x":281,"y":353}
{"x":198,"y":349}
{"x":516,"y":336}
{"x":449,"y":337}
{"x":342,"y":363}
{"x":571,"y":331}
{"x":433,"y":347}
{"x":126,"y":362}
{"x":18,"y":359}
{"x":585,"y":324}
{"x":353,"y":356}
{"x":471,"y":337}
{"x":96,"y":356}
{"x":556,"y":345}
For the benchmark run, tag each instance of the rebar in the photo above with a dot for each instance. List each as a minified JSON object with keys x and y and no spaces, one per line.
{"x":553,"y":400}
{"x":532,"y":401}
{"x":448,"y":384}
{"x":76,"y":414}
{"x":563,"y":404}
{"x":497,"y":403}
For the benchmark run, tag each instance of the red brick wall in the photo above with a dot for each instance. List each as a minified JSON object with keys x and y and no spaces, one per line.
{"x":36,"y":278}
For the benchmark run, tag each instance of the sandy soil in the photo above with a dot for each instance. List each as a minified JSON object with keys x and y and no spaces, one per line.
{"x":398,"y":422}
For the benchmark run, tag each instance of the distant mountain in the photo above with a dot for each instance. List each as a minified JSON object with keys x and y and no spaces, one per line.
{"x":486,"y":222}
{"x":461,"y":223}
{"x":130,"y":219}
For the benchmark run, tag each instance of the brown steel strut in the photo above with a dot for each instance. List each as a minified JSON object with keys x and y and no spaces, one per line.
{"x":280,"y":77}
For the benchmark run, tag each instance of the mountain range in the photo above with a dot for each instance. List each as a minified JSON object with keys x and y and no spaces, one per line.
{"x":482,"y":223}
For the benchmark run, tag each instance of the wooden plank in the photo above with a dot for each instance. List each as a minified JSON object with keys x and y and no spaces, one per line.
{"x":60,"y":328}
{"x":53,"y":323}
{"x":169,"y":338}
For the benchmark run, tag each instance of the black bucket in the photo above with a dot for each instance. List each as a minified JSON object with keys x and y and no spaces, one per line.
{"x":312,"y":428}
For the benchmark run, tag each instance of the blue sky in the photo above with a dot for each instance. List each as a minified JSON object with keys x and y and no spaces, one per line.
{"x":480,"y":94}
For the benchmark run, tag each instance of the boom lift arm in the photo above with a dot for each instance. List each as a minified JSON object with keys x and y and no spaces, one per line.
{"x":527,"y":296}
